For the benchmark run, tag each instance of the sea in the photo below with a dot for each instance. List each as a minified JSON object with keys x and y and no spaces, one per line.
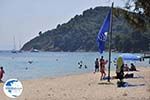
{"x":35,"y":65}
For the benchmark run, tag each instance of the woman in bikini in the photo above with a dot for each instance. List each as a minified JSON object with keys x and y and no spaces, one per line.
{"x":102,"y":68}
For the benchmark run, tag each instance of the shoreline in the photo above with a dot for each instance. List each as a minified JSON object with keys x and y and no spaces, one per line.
{"x":112,"y":71}
{"x":85,"y":86}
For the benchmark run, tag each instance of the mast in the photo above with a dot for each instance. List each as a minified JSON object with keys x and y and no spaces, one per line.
{"x":14,"y":44}
{"x":110,"y":41}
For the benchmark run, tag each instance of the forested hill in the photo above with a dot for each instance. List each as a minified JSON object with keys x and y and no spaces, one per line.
{"x":79,"y":34}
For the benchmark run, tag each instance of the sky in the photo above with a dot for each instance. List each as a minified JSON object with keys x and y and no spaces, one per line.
{"x":24,"y":19}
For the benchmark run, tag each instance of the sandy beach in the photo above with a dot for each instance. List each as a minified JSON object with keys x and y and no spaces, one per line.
{"x":85,"y":87}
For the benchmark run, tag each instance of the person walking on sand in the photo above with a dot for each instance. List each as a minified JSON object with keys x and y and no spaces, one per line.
{"x":1,"y":73}
{"x":96,"y":65}
{"x":102,"y":67}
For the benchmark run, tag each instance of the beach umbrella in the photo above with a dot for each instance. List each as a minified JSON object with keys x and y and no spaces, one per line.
{"x":131,"y":57}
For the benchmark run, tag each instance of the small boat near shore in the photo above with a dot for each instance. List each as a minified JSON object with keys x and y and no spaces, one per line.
{"x":34,"y":50}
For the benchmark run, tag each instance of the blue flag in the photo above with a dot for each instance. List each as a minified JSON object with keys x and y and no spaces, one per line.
{"x":102,"y":35}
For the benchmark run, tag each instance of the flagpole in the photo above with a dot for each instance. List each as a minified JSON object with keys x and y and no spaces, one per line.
{"x":110,"y":41}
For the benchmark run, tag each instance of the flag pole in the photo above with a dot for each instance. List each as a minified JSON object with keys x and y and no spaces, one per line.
{"x":110,"y":41}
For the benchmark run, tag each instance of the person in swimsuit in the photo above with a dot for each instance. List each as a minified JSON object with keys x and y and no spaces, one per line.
{"x":102,"y":67}
{"x":1,"y":73}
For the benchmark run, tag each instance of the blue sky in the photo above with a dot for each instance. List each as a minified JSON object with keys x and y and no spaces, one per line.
{"x":23,"y":19}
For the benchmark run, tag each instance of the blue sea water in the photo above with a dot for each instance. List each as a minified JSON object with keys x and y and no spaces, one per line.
{"x":51,"y":64}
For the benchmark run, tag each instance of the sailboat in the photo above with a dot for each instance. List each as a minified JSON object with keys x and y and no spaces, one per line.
{"x":14,"y":49}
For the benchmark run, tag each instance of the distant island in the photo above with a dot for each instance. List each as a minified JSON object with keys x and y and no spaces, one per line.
{"x":80,"y":32}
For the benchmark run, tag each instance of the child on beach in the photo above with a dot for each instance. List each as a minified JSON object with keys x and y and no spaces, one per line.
{"x":1,"y":73}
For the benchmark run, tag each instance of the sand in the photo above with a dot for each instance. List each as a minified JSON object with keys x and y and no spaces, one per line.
{"x":85,"y":87}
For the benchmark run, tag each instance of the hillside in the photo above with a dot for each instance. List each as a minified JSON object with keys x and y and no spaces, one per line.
{"x":79,"y":34}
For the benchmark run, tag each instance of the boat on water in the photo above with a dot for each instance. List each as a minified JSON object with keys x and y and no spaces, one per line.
{"x":14,"y":49}
{"x":34,"y":50}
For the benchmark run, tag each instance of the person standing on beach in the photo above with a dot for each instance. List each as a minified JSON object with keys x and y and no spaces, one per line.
{"x":96,"y":65}
{"x":102,"y":67}
{"x":120,"y":70}
{"x":1,"y":73}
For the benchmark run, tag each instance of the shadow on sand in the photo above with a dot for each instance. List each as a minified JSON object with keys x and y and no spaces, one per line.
{"x":126,"y":84}
{"x":135,"y":85}
{"x":105,"y":83}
